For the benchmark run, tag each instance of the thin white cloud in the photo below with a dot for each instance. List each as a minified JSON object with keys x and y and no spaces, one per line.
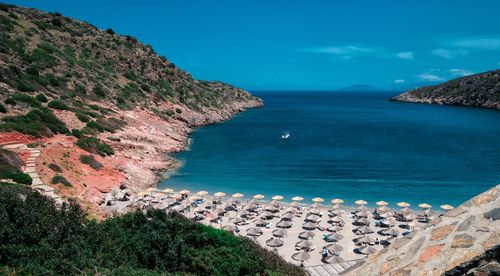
{"x":399,"y":81}
{"x":460,"y":72}
{"x":448,"y":53}
{"x":478,"y":43}
{"x":339,"y":50}
{"x":430,"y":77}
{"x":405,"y":55}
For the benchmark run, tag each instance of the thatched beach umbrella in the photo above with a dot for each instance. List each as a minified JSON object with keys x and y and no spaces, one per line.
{"x":334,"y":247}
{"x":366,"y":239}
{"x":381,"y":203}
{"x":424,"y":206}
{"x":167,"y":190}
{"x":318,"y":199}
{"x":266,"y":214}
{"x":312,"y":218}
{"x":360,"y":202}
{"x":387,"y":215}
{"x":392,"y":232}
{"x":279,"y":233}
{"x":199,"y":209}
{"x":304,"y":244}
{"x":306,"y":235}
{"x":301,"y":256}
{"x":295,"y":204}
{"x":316,"y":205}
{"x":315,"y":211}
{"x":334,"y":236}
{"x":363,"y":221}
{"x":410,"y":216}
{"x":334,"y":228}
{"x":277,"y":197}
{"x":237,"y":220}
{"x":337,"y":207}
{"x":365,"y":230}
{"x":297,"y":198}
{"x":361,"y":208}
{"x":287,"y":216}
{"x":333,"y":259}
{"x":309,"y":226}
{"x":271,"y":208}
{"x":284,"y":224}
{"x":274,"y":242}
{"x":384,"y":209}
{"x":447,"y":207}
{"x":258,"y":196}
{"x":254,"y":231}
{"x":151,"y":190}
{"x":219,"y":194}
{"x":202,"y":193}
{"x":403,"y":204}
{"x":367,"y":250}
{"x":337,"y":201}
{"x":336,"y":220}
{"x":260,"y":222}
{"x":363,"y":214}
{"x":184,"y":192}
{"x":337,"y":212}
{"x":238,"y":195}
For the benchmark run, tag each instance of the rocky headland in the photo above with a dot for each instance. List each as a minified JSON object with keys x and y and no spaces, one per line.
{"x":480,"y":90}
{"x":104,"y":109}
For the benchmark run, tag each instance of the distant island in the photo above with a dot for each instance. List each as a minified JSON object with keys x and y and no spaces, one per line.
{"x":480,"y":90}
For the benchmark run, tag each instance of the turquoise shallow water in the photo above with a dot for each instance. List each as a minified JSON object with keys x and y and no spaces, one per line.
{"x":352,"y":145}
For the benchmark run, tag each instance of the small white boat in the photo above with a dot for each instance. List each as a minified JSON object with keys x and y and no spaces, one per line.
{"x":285,"y":135}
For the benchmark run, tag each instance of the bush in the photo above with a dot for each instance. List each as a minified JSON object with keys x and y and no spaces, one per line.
{"x":90,"y":160}
{"x":60,"y":179}
{"x":38,"y":122}
{"x":10,"y":101}
{"x":110,"y":31}
{"x":40,"y":238}
{"x":77,"y":133}
{"x":99,"y":91}
{"x":82,"y":117}
{"x":178,"y":110}
{"x":25,"y":86}
{"x":55,"y":168}
{"x":3,"y":109}
{"x":58,"y":104}
{"x":41,"y":98}
{"x":23,"y":98}
{"x":95,"y":146}
{"x":16,"y":175}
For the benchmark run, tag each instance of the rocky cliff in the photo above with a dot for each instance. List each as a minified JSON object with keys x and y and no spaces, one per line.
{"x":465,"y":241}
{"x":480,"y":90}
{"x":85,"y":94}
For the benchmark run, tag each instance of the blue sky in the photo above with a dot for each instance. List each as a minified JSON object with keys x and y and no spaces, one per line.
{"x":301,"y":45}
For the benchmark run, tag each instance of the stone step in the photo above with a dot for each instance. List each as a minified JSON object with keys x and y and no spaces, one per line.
{"x":33,"y":174}
{"x":36,"y":181}
{"x":30,"y":170}
{"x":45,"y":188}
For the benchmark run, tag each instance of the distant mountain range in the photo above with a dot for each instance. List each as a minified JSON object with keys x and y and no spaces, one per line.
{"x":479,"y":90}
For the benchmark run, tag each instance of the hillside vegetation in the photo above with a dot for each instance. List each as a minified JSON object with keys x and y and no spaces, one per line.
{"x":50,"y":63}
{"x":480,"y":90}
{"x":39,"y":239}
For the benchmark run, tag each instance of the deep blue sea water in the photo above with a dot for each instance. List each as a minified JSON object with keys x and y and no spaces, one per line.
{"x":351,"y":145}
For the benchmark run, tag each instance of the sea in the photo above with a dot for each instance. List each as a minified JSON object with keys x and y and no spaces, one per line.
{"x":349,"y":145}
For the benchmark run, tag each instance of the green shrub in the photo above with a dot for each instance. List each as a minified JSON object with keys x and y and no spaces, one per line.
{"x":38,"y":122}
{"x":82,"y":117}
{"x":80,"y":89}
{"x":95,"y":146}
{"x":55,"y":168}
{"x":99,"y":91}
{"x":23,"y":98}
{"x":77,"y":133}
{"x":40,"y":238}
{"x":58,"y":104}
{"x":178,"y":110}
{"x":60,"y":179}
{"x":10,"y":101}
{"x":91,"y":161}
{"x":25,"y":86}
{"x":16,"y":175}
{"x":110,"y":31}
{"x":41,"y":98}
{"x":3,"y":109}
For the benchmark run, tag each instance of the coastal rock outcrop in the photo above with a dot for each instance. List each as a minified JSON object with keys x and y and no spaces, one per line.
{"x":480,"y":90}
{"x":465,"y":240}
